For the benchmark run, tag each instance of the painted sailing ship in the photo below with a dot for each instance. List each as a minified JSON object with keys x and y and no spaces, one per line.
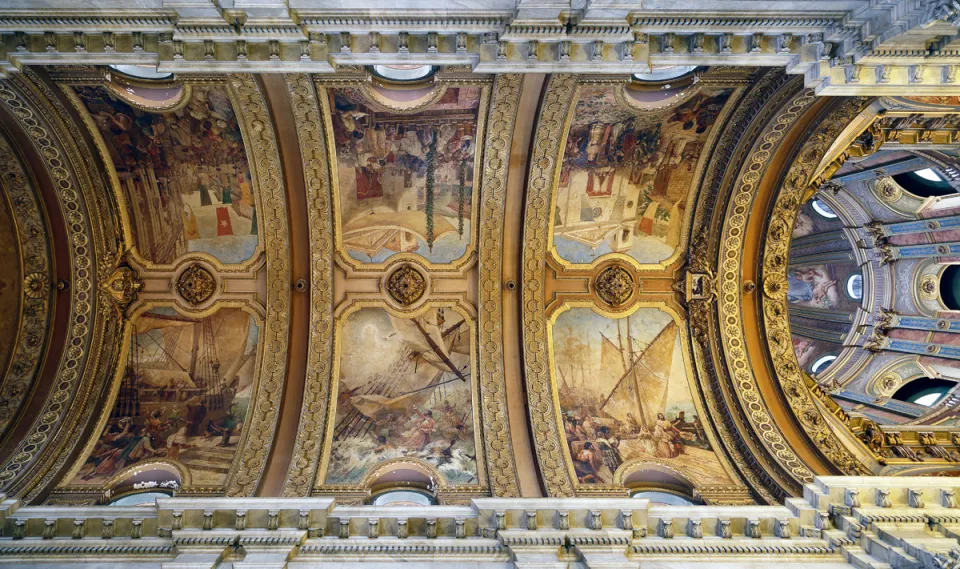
{"x":434,"y":356}
{"x":176,"y":362}
{"x":638,"y":372}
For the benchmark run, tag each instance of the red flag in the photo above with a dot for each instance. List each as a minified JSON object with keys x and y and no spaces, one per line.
{"x":224,"y":227}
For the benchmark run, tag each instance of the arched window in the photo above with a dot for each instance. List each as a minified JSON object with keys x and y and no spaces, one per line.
{"x":661,"y":498}
{"x":822,"y":364}
{"x":925,"y":183}
{"x":855,"y":286}
{"x":823,"y":209}
{"x":139,"y":499}
{"x":659,"y":74}
{"x":404,"y":73}
{"x":925,"y":391}
{"x":403,"y":498}
{"x":148,"y":72}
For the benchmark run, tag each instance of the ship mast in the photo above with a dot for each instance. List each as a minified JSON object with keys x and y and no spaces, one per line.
{"x":633,"y":372}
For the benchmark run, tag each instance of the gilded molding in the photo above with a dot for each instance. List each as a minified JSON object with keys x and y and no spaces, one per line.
{"x":746,"y":123}
{"x":261,"y":422}
{"x":37,"y":268}
{"x":795,"y":384}
{"x":730,"y":288}
{"x":89,"y":357}
{"x":547,"y":150}
{"x":311,"y":134}
{"x":496,"y":154}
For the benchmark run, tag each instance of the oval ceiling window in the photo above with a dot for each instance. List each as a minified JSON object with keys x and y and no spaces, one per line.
{"x":148,"y":72}
{"x":659,"y":74}
{"x":925,"y":183}
{"x":823,"y":209}
{"x":822,"y":364}
{"x":659,"y":498}
{"x":404,"y":73}
{"x":403,"y":498}
{"x":855,"y":287}
{"x":139,"y":499}
{"x":925,"y":391}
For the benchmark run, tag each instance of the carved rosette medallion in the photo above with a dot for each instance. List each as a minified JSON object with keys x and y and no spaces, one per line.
{"x":195,"y":284}
{"x":406,"y":285}
{"x":36,"y":285}
{"x":614,"y":285}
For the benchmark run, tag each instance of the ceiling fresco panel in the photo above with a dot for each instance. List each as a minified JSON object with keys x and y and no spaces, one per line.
{"x":609,"y":372}
{"x":183,"y":171}
{"x":406,"y":172}
{"x":183,"y":399}
{"x":625,"y":398}
{"x":415,"y":403}
{"x":626,"y":175}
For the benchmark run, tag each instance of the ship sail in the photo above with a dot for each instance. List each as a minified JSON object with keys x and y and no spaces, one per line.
{"x":645,"y":382}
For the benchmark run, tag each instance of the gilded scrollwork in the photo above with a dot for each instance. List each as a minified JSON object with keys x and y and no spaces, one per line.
{"x":797,"y":386}
{"x":752,"y":113}
{"x":35,"y":257}
{"x":614,"y":285}
{"x":406,"y":285}
{"x":262,"y":417}
{"x":311,"y":134}
{"x":92,"y":340}
{"x":496,"y":429}
{"x":196,"y":284}
{"x":547,"y":147}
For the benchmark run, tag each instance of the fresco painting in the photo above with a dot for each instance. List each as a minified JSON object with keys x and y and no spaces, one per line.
{"x":406,"y":180}
{"x":413,"y":400}
{"x":183,"y":397}
{"x":624,"y":395}
{"x":821,"y":286}
{"x":626,"y":176}
{"x":183,"y":173}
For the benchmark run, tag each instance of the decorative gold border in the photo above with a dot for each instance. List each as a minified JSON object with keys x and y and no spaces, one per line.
{"x":546,"y":153}
{"x":310,"y":132}
{"x":257,"y":438}
{"x":795,"y":384}
{"x":496,"y":163}
{"x":320,"y":485}
{"x":690,"y":379}
{"x":343,"y":257}
{"x":92,"y":339}
{"x":32,"y":233}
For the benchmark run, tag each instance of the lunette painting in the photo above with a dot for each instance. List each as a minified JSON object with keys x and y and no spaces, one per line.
{"x":406,"y":180}
{"x":413,"y":400}
{"x":183,"y":397}
{"x":624,"y":394}
{"x":626,"y":175}
{"x":184,"y":174}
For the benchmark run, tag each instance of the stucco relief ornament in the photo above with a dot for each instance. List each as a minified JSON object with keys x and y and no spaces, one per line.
{"x":406,"y":285}
{"x":123,"y":285}
{"x":196,"y":284}
{"x":36,"y":285}
{"x":775,"y":286}
{"x":614,"y":285}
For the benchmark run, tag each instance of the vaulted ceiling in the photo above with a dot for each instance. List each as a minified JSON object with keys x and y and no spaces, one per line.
{"x":504,"y":284}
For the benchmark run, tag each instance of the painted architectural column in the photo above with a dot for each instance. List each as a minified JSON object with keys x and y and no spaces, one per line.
{"x":880,"y":342}
{"x":890,"y":253}
{"x":894,"y":320}
{"x":881,"y":230}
